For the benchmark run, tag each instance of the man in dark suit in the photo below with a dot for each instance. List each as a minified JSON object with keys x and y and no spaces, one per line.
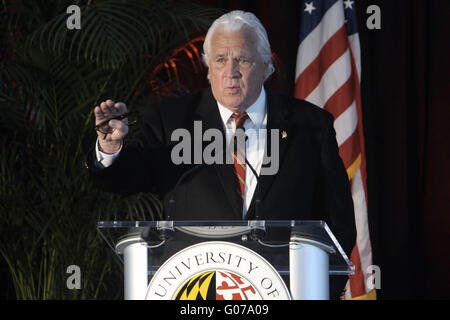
{"x":309,"y":181}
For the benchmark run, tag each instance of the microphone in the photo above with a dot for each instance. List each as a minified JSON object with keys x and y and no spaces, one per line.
{"x":256,"y":195}
{"x":166,"y":232}
{"x":256,"y":234}
{"x":172,"y":201}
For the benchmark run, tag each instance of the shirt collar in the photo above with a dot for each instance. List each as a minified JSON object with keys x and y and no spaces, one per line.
{"x":256,"y":111}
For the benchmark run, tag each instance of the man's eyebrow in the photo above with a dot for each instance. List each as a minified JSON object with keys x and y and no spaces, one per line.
{"x":241,"y":56}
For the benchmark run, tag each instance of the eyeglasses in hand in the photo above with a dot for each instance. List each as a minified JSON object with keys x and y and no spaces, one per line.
{"x":103,"y":127}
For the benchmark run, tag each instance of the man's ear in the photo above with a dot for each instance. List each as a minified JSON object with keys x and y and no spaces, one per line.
{"x":266,"y":71}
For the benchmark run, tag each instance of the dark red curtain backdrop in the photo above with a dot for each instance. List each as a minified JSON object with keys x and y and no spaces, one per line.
{"x":405,"y":87}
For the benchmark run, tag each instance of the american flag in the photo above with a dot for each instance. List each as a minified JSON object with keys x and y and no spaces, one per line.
{"x":328,"y":74}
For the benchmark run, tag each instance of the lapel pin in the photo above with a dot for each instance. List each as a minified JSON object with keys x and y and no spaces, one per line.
{"x":283,"y":134}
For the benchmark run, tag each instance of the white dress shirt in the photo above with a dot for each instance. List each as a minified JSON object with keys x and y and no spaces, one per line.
{"x":105,"y":159}
{"x":255,"y":129}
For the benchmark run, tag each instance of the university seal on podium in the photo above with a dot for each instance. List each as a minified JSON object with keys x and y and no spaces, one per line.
{"x":217,"y":270}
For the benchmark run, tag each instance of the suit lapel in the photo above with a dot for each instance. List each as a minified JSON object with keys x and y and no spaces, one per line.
{"x":277,"y":118}
{"x":208,"y":113}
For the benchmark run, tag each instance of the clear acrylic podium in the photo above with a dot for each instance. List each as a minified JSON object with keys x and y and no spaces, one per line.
{"x":303,"y":253}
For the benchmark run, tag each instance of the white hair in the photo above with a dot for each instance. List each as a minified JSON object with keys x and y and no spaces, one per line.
{"x":236,"y":21}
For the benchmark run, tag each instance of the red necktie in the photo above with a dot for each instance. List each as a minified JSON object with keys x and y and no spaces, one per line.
{"x":239,"y":154}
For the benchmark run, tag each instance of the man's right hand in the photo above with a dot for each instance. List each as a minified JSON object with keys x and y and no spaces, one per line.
{"x":110,"y":132}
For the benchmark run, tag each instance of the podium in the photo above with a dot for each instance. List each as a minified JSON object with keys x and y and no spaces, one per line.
{"x":226,"y":260}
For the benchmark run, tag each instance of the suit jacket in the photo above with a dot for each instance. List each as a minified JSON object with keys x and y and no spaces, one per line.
{"x":311,"y":183}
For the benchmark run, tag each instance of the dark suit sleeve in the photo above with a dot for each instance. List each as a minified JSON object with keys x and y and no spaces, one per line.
{"x":337,"y":203}
{"x":136,"y":168}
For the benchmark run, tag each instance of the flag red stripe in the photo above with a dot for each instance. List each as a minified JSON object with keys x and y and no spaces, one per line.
{"x":350,"y":149}
{"x":344,"y":94}
{"x":308,"y":80}
{"x":342,"y":98}
{"x":357,"y":93}
{"x":357,"y":286}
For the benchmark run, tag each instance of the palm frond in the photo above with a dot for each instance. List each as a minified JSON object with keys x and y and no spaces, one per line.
{"x":113,"y":32}
{"x":50,"y":80}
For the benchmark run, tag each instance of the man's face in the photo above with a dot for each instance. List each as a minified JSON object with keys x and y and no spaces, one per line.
{"x":236,"y":70}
